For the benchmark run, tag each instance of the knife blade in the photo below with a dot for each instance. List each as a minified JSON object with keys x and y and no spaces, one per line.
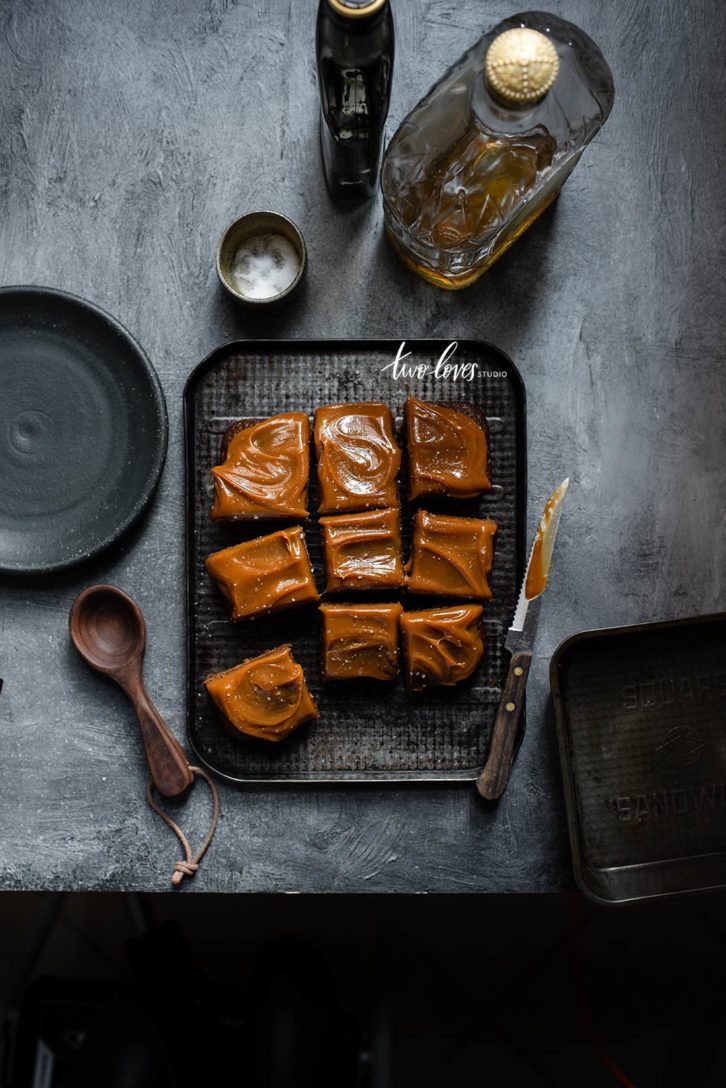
{"x":493,"y":780}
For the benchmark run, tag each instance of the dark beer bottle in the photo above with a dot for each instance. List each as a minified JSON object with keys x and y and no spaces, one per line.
{"x":355,"y":46}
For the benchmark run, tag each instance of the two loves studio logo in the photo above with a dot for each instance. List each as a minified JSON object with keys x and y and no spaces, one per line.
{"x":446,"y":367}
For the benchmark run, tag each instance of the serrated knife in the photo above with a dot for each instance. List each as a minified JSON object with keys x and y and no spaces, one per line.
{"x":493,"y":780}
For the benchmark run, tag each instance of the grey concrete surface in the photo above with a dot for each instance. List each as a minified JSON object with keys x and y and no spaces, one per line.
{"x":130,"y":133}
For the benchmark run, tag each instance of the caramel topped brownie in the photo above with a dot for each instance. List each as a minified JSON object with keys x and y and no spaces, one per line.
{"x":450,"y":556}
{"x":448,"y":450}
{"x":265,"y":697}
{"x":360,"y":640}
{"x":358,"y":459}
{"x":265,"y":574}
{"x":265,"y":469}
{"x":441,"y":645}
{"x":363,"y":551}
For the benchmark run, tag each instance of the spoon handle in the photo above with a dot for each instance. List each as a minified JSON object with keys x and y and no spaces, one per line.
{"x":168,"y":765}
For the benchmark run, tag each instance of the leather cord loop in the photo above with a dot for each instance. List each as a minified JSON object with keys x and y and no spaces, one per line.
{"x":190,"y":863}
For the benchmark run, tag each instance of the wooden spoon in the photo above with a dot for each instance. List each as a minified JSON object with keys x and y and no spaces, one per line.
{"x":108,"y":630}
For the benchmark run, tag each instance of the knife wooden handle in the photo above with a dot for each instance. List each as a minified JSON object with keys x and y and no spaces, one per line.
{"x":493,"y":780}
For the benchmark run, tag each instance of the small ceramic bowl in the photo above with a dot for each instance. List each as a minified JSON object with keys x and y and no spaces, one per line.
{"x":261,"y":259}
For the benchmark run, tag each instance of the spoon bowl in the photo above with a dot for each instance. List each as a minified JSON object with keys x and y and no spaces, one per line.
{"x":107,"y":628}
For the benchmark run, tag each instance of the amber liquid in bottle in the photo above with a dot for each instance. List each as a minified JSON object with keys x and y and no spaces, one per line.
{"x":466,"y":174}
{"x":496,"y":176}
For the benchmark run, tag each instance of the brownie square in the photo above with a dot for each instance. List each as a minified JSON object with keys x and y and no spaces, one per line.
{"x":451,"y":556}
{"x":363,"y":551}
{"x":265,"y":469}
{"x":266,"y":574}
{"x":358,"y":458}
{"x":441,"y":645}
{"x":448,"y":449}
{"x":360,"y":640}
{"x":265,"y":697}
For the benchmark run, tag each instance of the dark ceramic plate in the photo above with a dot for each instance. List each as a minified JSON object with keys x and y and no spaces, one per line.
{"x":83,"y":430}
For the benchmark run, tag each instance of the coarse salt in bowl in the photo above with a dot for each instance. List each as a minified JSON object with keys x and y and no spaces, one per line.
{"x":261,"y":258}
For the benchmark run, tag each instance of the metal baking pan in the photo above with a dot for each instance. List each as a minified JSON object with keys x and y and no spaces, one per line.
{"x":641,"y":723}
{"x":370,"y":732}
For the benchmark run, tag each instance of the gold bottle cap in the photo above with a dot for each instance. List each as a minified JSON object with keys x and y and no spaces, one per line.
{"x":521,"y":65}
{"x":356,"y":9}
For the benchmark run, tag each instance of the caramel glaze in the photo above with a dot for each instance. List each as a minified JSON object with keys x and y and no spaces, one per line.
{"x":538,"y":568}
{"x":266,"y":574}
{"x":358,"y":459}
{"x":536,"y":575}
{"x":265,"y":471}
{"x":265,"y":697}
{"x":360,"y":640}
{"x":451,"y":557}
{"x":447,"y":451}
{"x":441,"y":645}
{"x":363,"y":551}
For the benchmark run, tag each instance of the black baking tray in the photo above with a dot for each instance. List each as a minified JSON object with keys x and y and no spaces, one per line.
{"x":641,"y":722}
{"x":366,"y":732}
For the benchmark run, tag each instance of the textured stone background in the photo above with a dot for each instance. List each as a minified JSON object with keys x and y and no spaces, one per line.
{"x":130,"y":133}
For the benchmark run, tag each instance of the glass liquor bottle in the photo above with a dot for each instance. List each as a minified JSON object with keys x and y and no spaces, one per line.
{"x":355,"y":50}
{"x":489,"y":147}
